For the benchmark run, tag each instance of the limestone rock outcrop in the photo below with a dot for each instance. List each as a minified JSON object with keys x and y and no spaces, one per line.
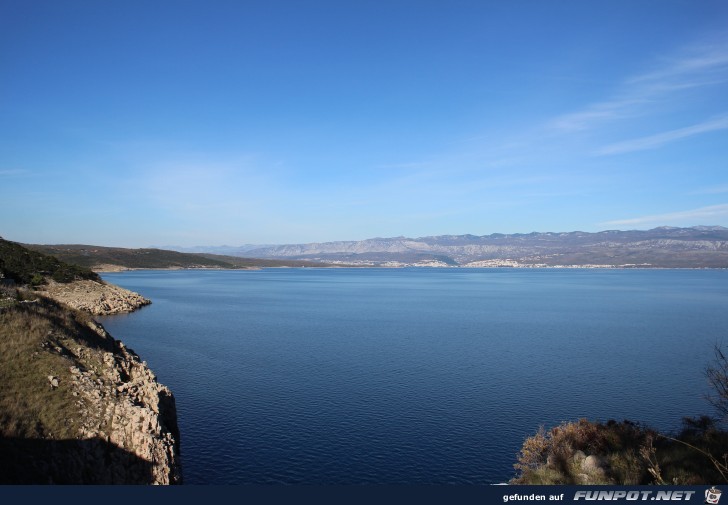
{"x":98,"y":298}
{"x":122,"y":403}
{"x":77,"y":406}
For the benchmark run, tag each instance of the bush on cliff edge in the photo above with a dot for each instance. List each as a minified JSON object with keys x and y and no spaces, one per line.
{"x":626,"y":453}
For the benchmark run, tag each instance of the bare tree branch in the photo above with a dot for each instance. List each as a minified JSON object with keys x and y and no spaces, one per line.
{"x":717,"y":374}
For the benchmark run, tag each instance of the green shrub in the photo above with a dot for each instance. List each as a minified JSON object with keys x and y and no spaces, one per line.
{"x":37,"y":280}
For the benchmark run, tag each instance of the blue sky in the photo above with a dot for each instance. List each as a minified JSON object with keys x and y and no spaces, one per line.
{"x":228,"y":122}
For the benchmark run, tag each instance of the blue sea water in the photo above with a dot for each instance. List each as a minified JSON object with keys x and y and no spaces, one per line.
{"x":411,"y":376}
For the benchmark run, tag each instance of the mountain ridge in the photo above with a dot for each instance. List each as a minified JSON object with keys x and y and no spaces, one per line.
{"x":666,"y":247}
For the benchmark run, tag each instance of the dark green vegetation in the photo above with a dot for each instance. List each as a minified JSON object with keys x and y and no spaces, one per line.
{"x":97,"y":257}
{"x":626,"y":453}
{"x":25,"y":266}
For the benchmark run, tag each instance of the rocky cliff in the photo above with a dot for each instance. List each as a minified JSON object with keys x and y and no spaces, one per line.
{"x":122,"y":402}
{"x":76,"y":405}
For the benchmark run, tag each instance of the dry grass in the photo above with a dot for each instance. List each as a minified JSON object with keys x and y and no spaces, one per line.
{"x":555,"y":456}
{"x":40,"y":339}
{"x":628,"y":454}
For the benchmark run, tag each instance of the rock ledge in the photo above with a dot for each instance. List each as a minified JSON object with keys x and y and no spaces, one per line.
{"x":123,"y":404}
{"x":97,"y":298}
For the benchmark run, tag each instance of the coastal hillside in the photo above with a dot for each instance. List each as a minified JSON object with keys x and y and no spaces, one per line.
{"x":73,"y":285}
{"x":76,"y":406}
{"x":100,"y":258}
{"x":25,"y":266}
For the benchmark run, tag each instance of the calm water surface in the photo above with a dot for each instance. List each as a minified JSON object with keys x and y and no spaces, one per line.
{"x":343,"y":376}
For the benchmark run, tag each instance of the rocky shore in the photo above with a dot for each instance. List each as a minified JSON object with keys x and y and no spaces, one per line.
{"x":78,"y":406}
{"x":97,"y":298}
{"x":121,"y":402}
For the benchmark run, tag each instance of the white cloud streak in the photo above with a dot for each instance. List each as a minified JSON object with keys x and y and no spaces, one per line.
{"x":699,"y":215}
{"x":697,"y":66}
{"x":597,"y":113}
{"x":705,"y":58}
{"x":660,"y":139}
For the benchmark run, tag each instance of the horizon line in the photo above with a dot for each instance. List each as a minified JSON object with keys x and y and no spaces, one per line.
{"x":253,"y":246}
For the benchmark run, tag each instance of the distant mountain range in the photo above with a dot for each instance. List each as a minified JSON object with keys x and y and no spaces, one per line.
{"x":663,"y":247}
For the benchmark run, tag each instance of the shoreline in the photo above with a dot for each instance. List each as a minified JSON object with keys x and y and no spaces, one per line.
{"x":96,"y":298}
{"x":101,"y":414}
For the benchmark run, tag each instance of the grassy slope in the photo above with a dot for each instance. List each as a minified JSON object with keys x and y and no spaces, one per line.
{"x":40,"y":425}
{"x":39,"y":339}
{"x":44,"y":429}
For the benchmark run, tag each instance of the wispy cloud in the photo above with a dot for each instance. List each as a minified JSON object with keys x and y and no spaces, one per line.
{"x":660,"y":139}
{"x":694,"y":66}
{"x":597,"y":113}
{"x":704,"y":59}
{"x":697,"y":216}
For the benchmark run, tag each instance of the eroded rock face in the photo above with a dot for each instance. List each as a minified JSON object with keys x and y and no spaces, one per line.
{"x":123,"y":404}
{"x":86,"y":410}
{"x":128,"y":421}
{"x":95,"y":297}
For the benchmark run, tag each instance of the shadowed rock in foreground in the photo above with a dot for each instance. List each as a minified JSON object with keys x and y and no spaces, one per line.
{"x":85,"y":461}
{"x":76,"y":405}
